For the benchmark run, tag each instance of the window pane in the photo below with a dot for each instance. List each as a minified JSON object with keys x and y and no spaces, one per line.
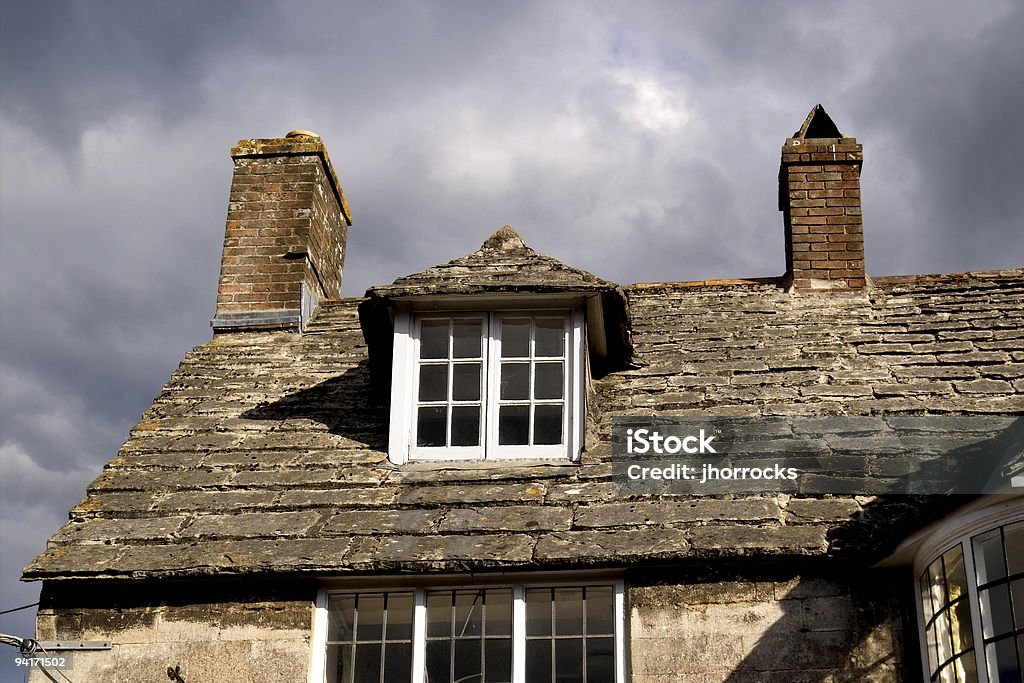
{"x":468,"y":668}
{"x":1013,"y":539}
{"x":1002,"y":661}
{"x":466,"y":338}
{"x":547,"y":380}
{"x":468,"y":613}
{"x":600,"y":604}
{"x":439,"y":614}
{"x":933,"y":642}
{"x":499,"y":612}
{"x":515,"y":381}
{"x":433,"y":339}
{"x":339,"y":663}
{"x":538,"y":612}
{"x":433,"y":382}
{"x":937,"y":580}
{"x":1020,"y":652}
{"x":960,"y":626}
{"x":515,"y":338}
{"x":995,"y":610}
{"x":569,"y":660}
{"x":513,"y":425}
{"x":466,"y":382}
{"x":431,"y":424}
{"x":956,"y":579}
{"x":568,"y":611}
{"x":550,"y":336}
{"x":341,"y":612}
{"x":1017,"y":596}
{"x":942,"y":633}
{"x":367,"y":665}
{"x":547,"y":424}
{"x":538,"y":661}
{"x":399,"y":617}
{"x":466,"y":425}
{"x":370,"y":617}
{"x":988,"y":557}
{"x":966,"y":669}
{"x":600,"y":660}
{"x":926,"y":597}
{"x":398,"y":662}
{"x":439,"y":660}
{"x":498,"y":660}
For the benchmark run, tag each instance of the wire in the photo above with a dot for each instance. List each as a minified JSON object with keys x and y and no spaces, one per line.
{"x":43,"y":649}
{"x":18,"y":609}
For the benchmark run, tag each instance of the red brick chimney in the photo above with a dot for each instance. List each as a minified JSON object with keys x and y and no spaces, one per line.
{"x":819,"y":195}
{"x":284,"y":243}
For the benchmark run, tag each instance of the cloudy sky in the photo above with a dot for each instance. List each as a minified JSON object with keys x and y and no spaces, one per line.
{"x":637,"y":140}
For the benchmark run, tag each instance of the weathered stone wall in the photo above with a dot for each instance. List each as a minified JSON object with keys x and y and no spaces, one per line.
{"x":214,"y":633}
{"x":781,"y":627}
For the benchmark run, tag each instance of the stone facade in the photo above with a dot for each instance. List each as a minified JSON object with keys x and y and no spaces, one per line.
{"x":770,"y":627}
{"x":233,"y":632}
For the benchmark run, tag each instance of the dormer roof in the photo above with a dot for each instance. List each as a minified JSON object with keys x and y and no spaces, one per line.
{"x":503,"y":263}
{"x":504,"y":267}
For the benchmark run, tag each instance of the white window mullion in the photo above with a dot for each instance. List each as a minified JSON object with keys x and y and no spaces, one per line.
{"x":973,"y":598}
{"x":518,"y":634}
{"x":620,"y":632}
{"x":403,"y":411}
{"x":318,"y":665}
{"x":419,"y":635}
{"x":574,"y":398}
{"x":493,"y":388}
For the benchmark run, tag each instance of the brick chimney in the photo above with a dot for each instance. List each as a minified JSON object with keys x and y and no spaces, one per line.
{"x":819,"y":195}
{"x":284,"y":243}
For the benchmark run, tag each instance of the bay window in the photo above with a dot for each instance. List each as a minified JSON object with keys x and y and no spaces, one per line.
{"x":972,"y":607}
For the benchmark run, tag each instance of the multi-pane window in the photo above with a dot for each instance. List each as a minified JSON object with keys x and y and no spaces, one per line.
{"x":972,"y":599}
{"x":469,"y":635}
{"x":949,"y":632}
{"x":487,"y":385}
{"x":449,"y":395}
{"x":570,"y":634}
{"x":493,"y":634}
{"x":369,"y":637}
{"x":531,"y":379}
{"x":999,"y":570}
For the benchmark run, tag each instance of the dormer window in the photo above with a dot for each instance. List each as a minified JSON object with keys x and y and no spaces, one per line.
{"x":505,"y":384}
{"x":487,"y":354}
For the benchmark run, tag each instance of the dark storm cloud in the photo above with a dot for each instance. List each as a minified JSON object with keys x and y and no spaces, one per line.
{"x":638,"y":141}
{"x":68,"y":65}
{"x":952,"y":105}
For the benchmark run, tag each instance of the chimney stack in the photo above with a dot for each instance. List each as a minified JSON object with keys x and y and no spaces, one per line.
{"x":284,"y":242}
{"x":819,"y":195}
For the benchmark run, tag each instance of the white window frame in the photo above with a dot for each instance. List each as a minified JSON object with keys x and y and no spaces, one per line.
{"x":318,"y":663}
{"x":960,"y":530}
{"x":404,"y":378}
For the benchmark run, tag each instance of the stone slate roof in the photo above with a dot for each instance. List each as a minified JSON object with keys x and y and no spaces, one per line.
{"x":503,"y":266}
{"x":504,"y":263}
{"x":265,"y":452}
